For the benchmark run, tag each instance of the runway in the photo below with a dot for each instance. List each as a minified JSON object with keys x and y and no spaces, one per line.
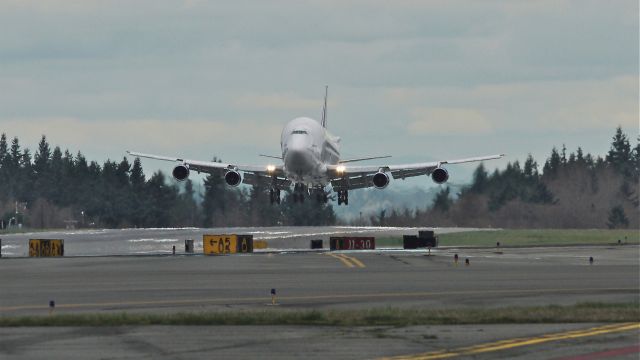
{"x":318,"y":280}
{"x":321,"y":280}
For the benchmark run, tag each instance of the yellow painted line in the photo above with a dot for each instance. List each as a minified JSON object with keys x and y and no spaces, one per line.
{"x":354,"y":260}
{"x":310,"y":297}
{"x":346,"y":262}
{"x":518,"y":342}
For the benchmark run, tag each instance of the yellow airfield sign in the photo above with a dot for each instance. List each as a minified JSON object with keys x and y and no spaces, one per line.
{"x":46,"y":247}
{"x":227,"y":244}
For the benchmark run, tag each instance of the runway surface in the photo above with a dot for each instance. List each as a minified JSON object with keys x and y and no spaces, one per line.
{"x":321,"y":280}
{"x":318,"y":280}
{"x":551,"y":341}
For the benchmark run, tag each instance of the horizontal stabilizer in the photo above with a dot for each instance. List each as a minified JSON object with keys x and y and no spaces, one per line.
{"x":271,"y":156}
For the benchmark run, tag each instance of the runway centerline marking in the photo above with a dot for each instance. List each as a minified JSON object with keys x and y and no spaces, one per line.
{"x":518,"y":342}
{"x":283,"y":299}
{"x":348,"y":261}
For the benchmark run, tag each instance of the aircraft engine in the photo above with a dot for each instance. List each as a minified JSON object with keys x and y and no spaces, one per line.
{"x":233,"y":178}
{"x":180,"y":172}
{"x":380,"y":180}
{"x":440,"y":175}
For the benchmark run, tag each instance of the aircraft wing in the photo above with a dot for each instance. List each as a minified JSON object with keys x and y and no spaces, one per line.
{"x":346,"y":177}
{"x":253,"y":174}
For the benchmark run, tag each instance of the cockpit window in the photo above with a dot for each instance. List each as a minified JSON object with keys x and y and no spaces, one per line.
{"x":299,"y":132}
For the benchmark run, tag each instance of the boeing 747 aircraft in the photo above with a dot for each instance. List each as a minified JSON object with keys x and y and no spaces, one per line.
{"x":310,"y":162}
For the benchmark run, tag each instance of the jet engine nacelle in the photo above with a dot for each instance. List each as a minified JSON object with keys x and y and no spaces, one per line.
{"x":440,"y":175}
{"x":380,"y":180}
{"x":180,"y":172}
{"x":232,"y":178}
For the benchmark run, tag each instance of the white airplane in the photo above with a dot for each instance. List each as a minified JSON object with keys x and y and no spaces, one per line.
{"x":311,"y":161}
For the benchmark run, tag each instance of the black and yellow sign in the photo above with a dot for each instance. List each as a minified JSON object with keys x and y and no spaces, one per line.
{"x":227,"y":244}
{"x":46,"y":247}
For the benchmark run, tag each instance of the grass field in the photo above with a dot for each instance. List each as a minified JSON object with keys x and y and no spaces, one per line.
{"x":528,"y":238}
{"x":585,"y":312}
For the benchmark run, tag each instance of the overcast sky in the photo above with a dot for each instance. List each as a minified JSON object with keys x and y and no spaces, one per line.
{"x":419,"y":80}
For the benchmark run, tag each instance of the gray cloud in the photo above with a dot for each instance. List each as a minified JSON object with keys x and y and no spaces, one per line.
{"x":561,"y":70}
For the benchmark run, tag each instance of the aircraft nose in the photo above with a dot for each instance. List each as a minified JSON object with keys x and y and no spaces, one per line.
{"x":298,"y":159}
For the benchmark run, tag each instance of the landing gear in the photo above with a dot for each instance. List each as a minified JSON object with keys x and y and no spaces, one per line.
{"x":343,"y":197}
{"x":274,"y":196}
{"x":321,"y":196}
{"x":299,"y":193}
{"x":298,"y":197}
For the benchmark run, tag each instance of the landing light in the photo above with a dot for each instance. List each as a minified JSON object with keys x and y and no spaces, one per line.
{"x":340,"y":169}
{"x":271,"y":168}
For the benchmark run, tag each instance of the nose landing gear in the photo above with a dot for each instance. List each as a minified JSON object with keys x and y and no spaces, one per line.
{"x":299,"y":193}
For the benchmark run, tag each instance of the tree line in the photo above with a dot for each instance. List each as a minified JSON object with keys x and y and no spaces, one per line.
{"x":54,"y":189}
{"x":574,"y":190}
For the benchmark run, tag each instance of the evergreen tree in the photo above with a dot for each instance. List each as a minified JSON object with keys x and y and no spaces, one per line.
{"x":480,"y":179}
{"x":25,"y":179}
{"x":5,"y":160}
{"x":57,"y":182}
{"x":308,"y":213}
{"x":619,"y":155}
{"x":42,"y":167}
{"x":4,"y":148}
{"x":259,"y":208}
{"x":442,"y":201}
{"x":162,"y":198}
{"x":12,"y":163}
{"x":530,"y":168}
{"x":636,"y":161}
{"x":580,"y":156}
{"x":552,"y":164}
{"x":139,"y":206}
{"x":617,"y":218}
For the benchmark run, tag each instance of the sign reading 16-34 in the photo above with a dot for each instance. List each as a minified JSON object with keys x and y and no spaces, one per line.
{"x":227,"y":244}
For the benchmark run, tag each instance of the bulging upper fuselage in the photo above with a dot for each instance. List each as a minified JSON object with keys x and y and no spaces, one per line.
{"x":307,"y":149}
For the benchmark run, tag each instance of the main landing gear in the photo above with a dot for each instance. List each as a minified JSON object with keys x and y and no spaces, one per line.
{"x":343,"y":197}
{"x":274,"y":196}
{"x":321,"y":196}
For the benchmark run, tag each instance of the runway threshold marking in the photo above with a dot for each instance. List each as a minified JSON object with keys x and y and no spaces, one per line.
{"x":518,"y":342}
{"x":282,"y":299}
{"x":348,"y":261}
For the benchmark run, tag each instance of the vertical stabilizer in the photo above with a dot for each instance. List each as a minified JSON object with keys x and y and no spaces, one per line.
{"x":324,"y":108}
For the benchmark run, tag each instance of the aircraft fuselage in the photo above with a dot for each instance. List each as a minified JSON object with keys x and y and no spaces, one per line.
{"x":307,"y":149}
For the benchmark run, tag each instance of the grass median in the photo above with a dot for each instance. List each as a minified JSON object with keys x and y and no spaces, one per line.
{"x":578,"y":313}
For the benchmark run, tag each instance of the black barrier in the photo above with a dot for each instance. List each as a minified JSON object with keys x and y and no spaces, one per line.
{"x":188,"y":246}
{"x":426,"y":233}
{"x":414,"y":242}
{"x":316,"y":244}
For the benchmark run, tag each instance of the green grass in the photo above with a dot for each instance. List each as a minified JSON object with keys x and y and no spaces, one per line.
{"x":582,"y":312}
{"x":528,"y":238}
